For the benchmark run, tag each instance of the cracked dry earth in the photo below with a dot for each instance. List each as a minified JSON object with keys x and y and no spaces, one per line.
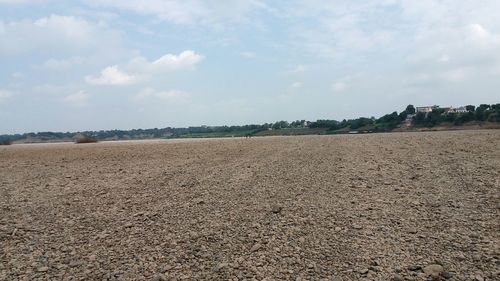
{"x":402,"y":206}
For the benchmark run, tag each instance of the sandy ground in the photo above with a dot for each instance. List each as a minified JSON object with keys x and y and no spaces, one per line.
{"x":401,"y":206}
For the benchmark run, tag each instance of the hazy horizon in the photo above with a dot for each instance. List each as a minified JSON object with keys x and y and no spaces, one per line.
{"x":109,"y":64}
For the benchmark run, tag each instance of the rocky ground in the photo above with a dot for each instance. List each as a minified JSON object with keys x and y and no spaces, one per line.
{"x":402,"y":206}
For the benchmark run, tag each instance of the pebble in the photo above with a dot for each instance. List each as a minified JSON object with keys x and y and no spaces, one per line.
{"x":42,"y":269}
{"x":412,"y":231}
{"x":256,"y":247}
{"x":276,"y":209}
{"x":364,"y":271}
{"x":414,"y":268}
{"x":159,"y":277}
{"x":397,"y":278}
{"x":433,"y":270}
{"x":478,"y":278}
{"x":446,"y":275}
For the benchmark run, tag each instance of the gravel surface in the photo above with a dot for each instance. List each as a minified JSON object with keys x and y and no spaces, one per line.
{"x":402,"y":206}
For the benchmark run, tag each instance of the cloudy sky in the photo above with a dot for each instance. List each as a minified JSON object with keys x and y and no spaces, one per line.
{"x":106,"y":64}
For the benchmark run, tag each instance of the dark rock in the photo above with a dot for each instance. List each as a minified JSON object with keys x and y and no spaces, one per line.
{"x":414,"y":268}
{"x":446,"y":274}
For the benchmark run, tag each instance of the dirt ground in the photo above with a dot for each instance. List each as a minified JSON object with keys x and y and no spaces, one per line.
{"x":401,"y":206}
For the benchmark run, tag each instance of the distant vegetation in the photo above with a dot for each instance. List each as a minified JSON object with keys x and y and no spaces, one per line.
{"x":85,"y":139}
{"x":408,"y":119}
{"x":482,"y":113}
{"x":389,"y":122}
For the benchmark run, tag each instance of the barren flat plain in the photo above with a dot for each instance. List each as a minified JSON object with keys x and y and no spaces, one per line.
{"x":401,"y":206}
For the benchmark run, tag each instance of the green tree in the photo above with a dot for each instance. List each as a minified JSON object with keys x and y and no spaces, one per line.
{"x":410,"y":109}
{"x":470,"y":108}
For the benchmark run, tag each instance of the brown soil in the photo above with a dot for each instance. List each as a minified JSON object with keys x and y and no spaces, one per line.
{"x":365,"y":207}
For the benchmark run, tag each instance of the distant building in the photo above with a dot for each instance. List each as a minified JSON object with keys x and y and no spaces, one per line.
{"x":446,"y":110}
{"x":455,"y":110}
{"x":461,"y":109}
{"x":425,"y":109}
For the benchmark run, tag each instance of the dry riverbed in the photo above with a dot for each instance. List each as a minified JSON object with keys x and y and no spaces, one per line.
{"x":402,"y":206}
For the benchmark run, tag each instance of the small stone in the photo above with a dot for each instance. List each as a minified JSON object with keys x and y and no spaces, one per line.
{"x":92,"y":257}
{"x":446,"y":275}
{"x":364,"y":271}
{"x":276,"y":209}
{"x":42,"y":269}
{"x":160,"y":277}
{"x":75,"y":263}
{"x":397,"y":277}
{"x":433,"y":270}
{"x":256,"y":247}
{"x":357,"y":226}
{"x":374,"y":268}
{"x":222,"y":265}
{"x":414,"y":268}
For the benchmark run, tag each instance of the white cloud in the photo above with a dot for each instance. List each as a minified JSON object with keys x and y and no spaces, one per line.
{"x":59,"y":65}
{"x":203,"y":12}
{"x":112,"y":75}
{"x":17,"y":75}
{"x":140,"y":69}
{"x":21,"y":2}
{"x":55,"y":33}
{"x":298,"y":69}
{"x":52,"y":89}
{"x":339,"y":86}
{"x":186,"y":59}
{"x":79,"y":99}
{"x":4,"y":95}
{"x":296,"y":85}
{"x":449,"y":41}
{"x":248,"y":54}
{"x":174,"y":96}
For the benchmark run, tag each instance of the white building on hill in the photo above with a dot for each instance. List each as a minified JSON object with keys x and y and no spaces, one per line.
{"x":428,"y":109}
{"x":425,"y":109}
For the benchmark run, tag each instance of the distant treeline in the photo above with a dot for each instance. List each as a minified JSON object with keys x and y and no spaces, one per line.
{"x":482,"y":113}
{"x":386,"y":123}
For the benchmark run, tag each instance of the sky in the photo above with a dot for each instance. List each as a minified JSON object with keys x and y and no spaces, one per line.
{"x":123,"y":64}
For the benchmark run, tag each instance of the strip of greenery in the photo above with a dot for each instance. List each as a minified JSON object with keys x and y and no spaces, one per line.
{"x":386,"y":123}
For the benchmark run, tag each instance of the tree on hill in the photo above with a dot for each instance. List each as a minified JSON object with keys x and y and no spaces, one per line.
{"x":410,"y":109}
{"x":470,"y":108}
